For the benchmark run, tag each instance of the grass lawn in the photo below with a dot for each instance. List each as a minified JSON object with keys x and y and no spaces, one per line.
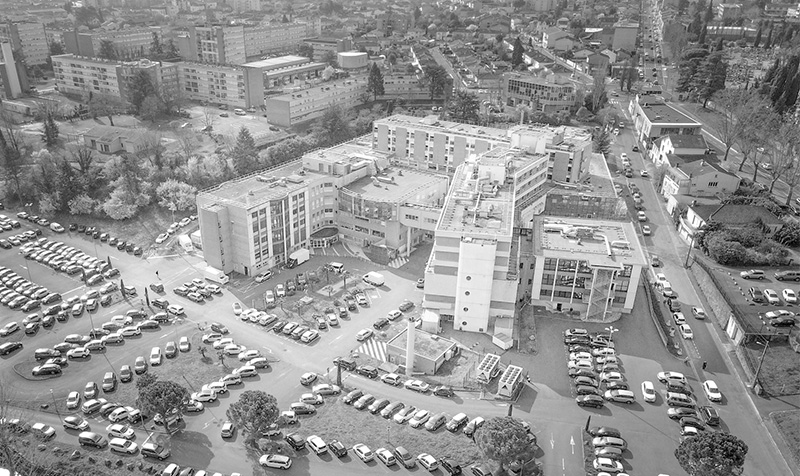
{"x":780,"y":372}
{"x":336,"y":421}
{"x":788,"y":424}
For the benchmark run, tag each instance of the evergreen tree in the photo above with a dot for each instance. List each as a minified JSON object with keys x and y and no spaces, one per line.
{"x":172,"y":50}
{"x":710,"y":76}
{"x":375,"y":82}
{"x":140,"y":87}
{"x":758,"y":37}
{"x":50,"y":131}
{"x":602,"y":141}
{"x":517,"y":56}
{"x":438,"y":79}
{"x":244,"y":155}
{"x":719,"y":45}
{"x":333,"y":127}
{"x":709,"y":15}
{"x":772,"y":71}
{"x":702,"y":38}
{"x":107,"y":50}
{"x":768,"y":43}
{"x":156,"y":48}
{"x":696,"y":25}
{"x":56,"y":48}
{"x":465,"y":108}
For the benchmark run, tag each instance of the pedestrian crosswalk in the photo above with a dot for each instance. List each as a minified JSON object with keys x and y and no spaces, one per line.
{"x":373,"y":348}
{"x":398,"y":262}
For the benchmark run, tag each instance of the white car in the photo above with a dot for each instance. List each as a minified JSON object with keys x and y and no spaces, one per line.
{"x":216,"y":387}
{"x":611,"y":377}
{"x":275,"y":461}
{"x":246,"y":371}
{"x":428,"y":462}
{"x":394,"y":315}
{"x":237,"y":308}
{"x":698,"y":313}
{"x":789,"y":296}
{"x":73,"y":400}
{"x":184,"y":344}
{"x":607,"y":464}
{"x":221,"y":343}
{"x":131,"y":331}
{"x":674,"y":376}
{"x":686,"y":331}
{"x":363,"y":452}
{"x":712,"y":391}
{"x":679,"y":318}
{"x":648,"y":391}
{"x":280,"y":291}
{"x":249,"y":354}
{"x":119,"y":414}
{"x":771,"y":296}
{"x":260,"y":278}
{"x":211,"y":337}
{"x":121,"y":445}
{"x":419,"y":418}
{"x":175,"y":309}
{"x":364,"y":334}
{"x":162,"y":238}
{"x":778,"y":313}
{"x":580,"y":356}
{"x":204,"y":395}
{"x":661,"y":277}
{"x":234,"y":349}
{"x":117,"y":430}
{"x":417,"y":386}
{"x":580,"y":364}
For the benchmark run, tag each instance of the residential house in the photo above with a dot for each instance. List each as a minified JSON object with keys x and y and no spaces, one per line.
{"x":110,"y":139}
{"x":557,"y":39}
{"x":697,"y":176}
{"x":677,"y":144}
{"x":736,"y":216}
{"x":653,"y":118}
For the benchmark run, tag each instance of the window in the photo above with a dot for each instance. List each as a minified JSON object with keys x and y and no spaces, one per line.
{"x":550,"y":264}
{"x":713,"y":184}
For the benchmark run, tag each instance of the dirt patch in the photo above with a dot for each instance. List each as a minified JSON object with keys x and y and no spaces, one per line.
{"x":788,"y":424}
{"x":336,"y":421}
{"x":780,"y":371}
{"x":458,"y":372}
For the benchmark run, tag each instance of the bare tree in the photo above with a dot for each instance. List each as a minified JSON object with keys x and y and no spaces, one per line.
{"x":187,"y":144}
{"x":783,"y":150}
{"x":598,"y":88}
{"x":735,"y":108}
{"x":751,"y":138}
{"x":83,"y":156}
{"x":14,"y":153}
{"x":209,"y":119}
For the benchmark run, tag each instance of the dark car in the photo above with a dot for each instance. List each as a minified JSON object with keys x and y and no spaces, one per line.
{"x":278,"y":327}
{"x":692,"y":421}
{"x":337,"y":448}
{"x":587,"y":390}
{"x":449,"y":466}
{"x":602,"y":431}
{"x":617,"y":385}
{"x":217,"y":327}
{"x":125,"y":374}
{"x":582,"y":373}
{"x":443,"y":391}
{"x":381,"y":323}
{"x":295,"y":441}
{"x":121,"y":245}
{"x":367,"y":371}
{"x":351,"y":397}
{"x":782,"y":322}
{"x":345,"y":363}
{"x":595,"y":401}
{"x":9,"y":347}
{"x":710,"y":415}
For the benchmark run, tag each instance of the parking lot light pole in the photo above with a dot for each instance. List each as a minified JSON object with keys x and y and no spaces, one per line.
{"x":55,"y":405}
{"x":611,"y":330}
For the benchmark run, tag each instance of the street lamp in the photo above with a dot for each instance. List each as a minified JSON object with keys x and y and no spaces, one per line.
{"x":611,"y":330}
{"x":55,"y":405}
{"x":760,"y":362}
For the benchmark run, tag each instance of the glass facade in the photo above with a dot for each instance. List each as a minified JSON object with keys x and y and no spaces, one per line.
{"x":570,"y":280}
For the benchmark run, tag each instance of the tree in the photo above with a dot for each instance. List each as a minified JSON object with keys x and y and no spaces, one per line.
{"x":332,"y":127}
{"x":56,"y":48}
{"x":108,"y":106}
{"x":758,"y":37}
{"x":375,"y":82}
{"x":465,"y":108}
{"x":710,"y":76}
{"x":712,"y":453}
{"x":254,"y":413}
{"x":164,"y":397}
{"x":732,"y":105}
{"x":330,"y":58}
{"x":518,"y":4}
{"x":701,"y":38}
{"x":437,"y":78}
{"x":789,"y":234}
{"x":107,"y":50}
{"x":176,"y":196}
{"x":782,"y":152}
{"x":504,"y":440}
{"x":688,"y":67}
{"x":145,"y":380}
{"x":602,"y":141}
{"x":768,"y":42}
{"x":305,"y":50}
{"x":287,"y":150}
{"x":244,"y":155}
{"x":156,"y":48}
{"x":140,"y":87}
{"x":755,"y":124}
{"x":709,"y":14}
{"x":519,"y":50}
{"x":598,"y":96}
{"x":151,"y":108}
{"x":50,"y":131}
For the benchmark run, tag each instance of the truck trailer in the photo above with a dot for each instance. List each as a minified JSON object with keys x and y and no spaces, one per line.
{"x":298,"y":257}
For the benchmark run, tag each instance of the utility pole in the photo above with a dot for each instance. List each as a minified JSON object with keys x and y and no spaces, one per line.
{"x":760,"y":363}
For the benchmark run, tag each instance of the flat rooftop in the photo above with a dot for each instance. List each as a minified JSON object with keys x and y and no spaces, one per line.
{"x":355,"y":151}
{"x":263,"y":186}
{"x":477,"y":207}
{"x":426,"y":345}
{"x":395,"y":185}
{"x":602,"y":243}
{"x":666,"y":114}
{"x":276,"y":63}
{"x":433,"y":124}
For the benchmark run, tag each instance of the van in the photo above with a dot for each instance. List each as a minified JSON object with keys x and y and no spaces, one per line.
{"x":404,"y":457}
{"x":109,"y":382}
{"x":338,"y":267}
{"x":679,"y":400}
{"x":788,"y":275}
{"x":96,"y":345}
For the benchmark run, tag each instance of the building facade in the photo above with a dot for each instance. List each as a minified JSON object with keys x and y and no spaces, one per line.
{"x":551,"y":93}
{"x":277,"y":73}
{"x":307,"y":104}
{"x":212,"y":83}
{"x":129,"y":44}
{"x":653,"y":118}
{"x":625,"y":36}
{"x":323,"y":46}
{"x":214,"y":44}
{"x":27,"y":38}
{"x":11,"y":81}
{"x":275,"y":38}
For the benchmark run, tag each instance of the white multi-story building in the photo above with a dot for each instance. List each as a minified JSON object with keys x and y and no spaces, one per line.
{"x":214,"y":44}
{"x":547,"y":93}
{"x":310,"y":103}
{"x":28,"y":38}
{"x":130,"y":43}
{"x":274,"y":38}
{"x":213,"y":83}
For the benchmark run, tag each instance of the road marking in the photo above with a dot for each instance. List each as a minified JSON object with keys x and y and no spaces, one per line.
{"x":165,"y":335}
{"x":572,"y":443}
{"x":552,"y":441}
{"x":334,"y":340}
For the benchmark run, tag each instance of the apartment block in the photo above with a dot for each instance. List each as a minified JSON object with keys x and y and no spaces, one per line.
{"x":322,"y":46}
{"x":549,"y":93}
{"x":213,"y":83}
{"x":214,"y":44}
{"x":404,"y":85}
{"x":277,"y":73}
{"x":586,"y":266}
{"x":653,"y":118}
{"x":276,"y":38}
{"x":129,"y":44}
{"x":304,"y":105}
{"x":27,"y":38}
{"x":11,"y":83}
{"x":81,"y":76}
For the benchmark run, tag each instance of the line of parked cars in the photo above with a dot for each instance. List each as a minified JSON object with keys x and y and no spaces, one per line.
{"x":9,"y":224}
{"x":173,"y":228}
{"x":608,"y":448}
{"x":104,"y":237}
{"x":692,"y":417}
{"x":593,"y":365}
{"x":196,"y":290}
